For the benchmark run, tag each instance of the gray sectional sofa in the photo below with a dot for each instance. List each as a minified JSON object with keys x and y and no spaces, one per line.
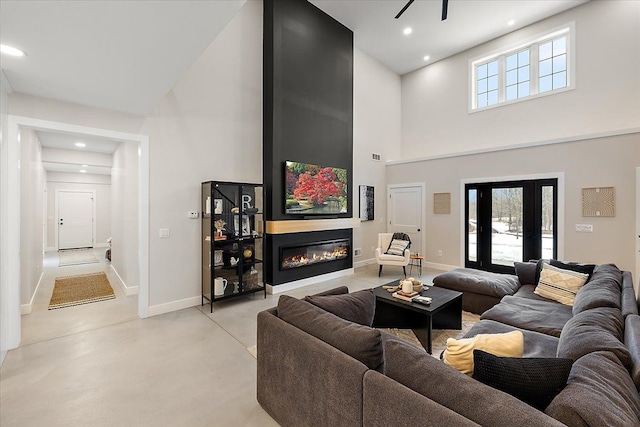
{"x":317,"y":369}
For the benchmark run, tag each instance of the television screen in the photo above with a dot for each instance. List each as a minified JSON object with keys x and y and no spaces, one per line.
{"x":315,"y":190}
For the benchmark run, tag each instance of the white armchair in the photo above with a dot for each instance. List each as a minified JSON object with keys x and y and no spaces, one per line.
{"x":384,"y":239}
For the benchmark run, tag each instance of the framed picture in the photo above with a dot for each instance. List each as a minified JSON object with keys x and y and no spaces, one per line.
{"x":217,"y":206}
{"x":366,"y":203}
{"x":246,"y":226}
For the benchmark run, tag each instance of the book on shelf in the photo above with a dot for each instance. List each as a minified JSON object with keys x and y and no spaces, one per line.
{"x":405,"y":297}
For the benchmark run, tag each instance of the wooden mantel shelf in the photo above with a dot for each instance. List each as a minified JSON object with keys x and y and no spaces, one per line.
{"x":301,"y":226}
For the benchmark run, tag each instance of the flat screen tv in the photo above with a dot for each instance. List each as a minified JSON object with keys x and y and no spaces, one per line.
{"x":315,"y":190}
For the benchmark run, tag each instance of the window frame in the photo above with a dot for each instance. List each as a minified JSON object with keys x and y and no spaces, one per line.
{"x":533,"y":43}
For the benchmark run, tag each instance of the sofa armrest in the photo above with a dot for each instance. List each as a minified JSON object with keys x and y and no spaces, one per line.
{"x":388,"y":403}
{"x":301,"y":380}
{"x":378,"y":253}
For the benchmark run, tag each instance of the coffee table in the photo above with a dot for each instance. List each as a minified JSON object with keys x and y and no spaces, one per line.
{"x":445,"y":312}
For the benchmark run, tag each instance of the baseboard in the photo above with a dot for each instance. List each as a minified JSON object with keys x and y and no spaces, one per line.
{"x":436,"y":266}
{"x":364,"y":262}
{"x":308,"y":281}
{"x":28,"y":308}
{"x":128,"y":290}
{"x":168,"y":307}
{"x":101,"y":245}
{"x":51,"y":249}
{"x":3,"y":354}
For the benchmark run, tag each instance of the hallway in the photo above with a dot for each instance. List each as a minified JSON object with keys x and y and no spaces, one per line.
{"x":44,"y":324}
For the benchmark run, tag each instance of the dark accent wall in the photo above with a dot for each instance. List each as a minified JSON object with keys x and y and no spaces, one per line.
{"x":308,"y":96}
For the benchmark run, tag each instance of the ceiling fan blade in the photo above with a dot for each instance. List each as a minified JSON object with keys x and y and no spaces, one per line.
{"x":445,"y":6}
{"x":404,"y":8}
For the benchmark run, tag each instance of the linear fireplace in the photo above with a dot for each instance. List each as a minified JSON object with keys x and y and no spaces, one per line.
{"x":313,"y":253}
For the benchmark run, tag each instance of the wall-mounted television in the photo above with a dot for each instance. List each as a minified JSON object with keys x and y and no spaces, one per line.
{"x":315,"y":190}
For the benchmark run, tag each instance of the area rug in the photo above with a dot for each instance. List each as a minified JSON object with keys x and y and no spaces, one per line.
{"x":76,"y":256}
{"x":83,"y":289}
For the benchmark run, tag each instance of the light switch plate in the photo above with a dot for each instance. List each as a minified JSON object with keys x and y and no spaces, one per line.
{"x":164,"y":233}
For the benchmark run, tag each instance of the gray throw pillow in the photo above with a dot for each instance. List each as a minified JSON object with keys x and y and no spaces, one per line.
{"x":358,"y":307}
{"x":533,"y":380}
{"x":360,"y":342}
{"x":526,"y":272}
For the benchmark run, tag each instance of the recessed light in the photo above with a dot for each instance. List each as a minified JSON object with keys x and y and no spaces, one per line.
{"x":80,"y":144}
{"x":10,"y":50}
{"x":510,"y":23}
{"x":426,"y":57}
{"x":83,"y":171}
{"x":407,"y":31}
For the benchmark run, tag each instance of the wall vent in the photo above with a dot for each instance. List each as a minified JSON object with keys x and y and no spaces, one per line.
{"x":357,"y":252}
{"x":375,"y":157}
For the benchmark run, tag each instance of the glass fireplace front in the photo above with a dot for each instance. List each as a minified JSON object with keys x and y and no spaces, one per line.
{"x":313,"y":253}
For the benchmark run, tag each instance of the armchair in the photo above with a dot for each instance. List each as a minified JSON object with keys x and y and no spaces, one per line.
{"x":382,"y":258}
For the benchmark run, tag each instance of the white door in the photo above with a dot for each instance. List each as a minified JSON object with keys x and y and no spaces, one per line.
{"x":75,"y":219}
{"x":405,"y":212}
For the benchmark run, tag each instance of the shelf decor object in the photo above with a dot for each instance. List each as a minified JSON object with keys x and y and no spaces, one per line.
{"x":599,"y":201}
{"x":234,"y":255}
{"x":441,"y":203}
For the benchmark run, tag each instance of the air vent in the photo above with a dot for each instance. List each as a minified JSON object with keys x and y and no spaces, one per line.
{"x":375,"y":157}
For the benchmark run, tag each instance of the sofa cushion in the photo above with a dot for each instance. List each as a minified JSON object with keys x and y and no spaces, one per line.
{"x":594,"y":330}
{"x":603,"y":290}
{"x":535,"y":343}
{"x":528,"y":291}
{"x":360,"y":342}
{"x":397,"y":247}
{"x":419,"y":371}
{"x":358,"y":307}
{"x":526,"y":272}
{"x":632,"y":342}
{"x":334,"y":291}
{"x":535,"y":381}
{"x":459,"y":353}
{"x":559,"y":284}
{"x":478,"y":281}
{"x":599,"y":393}
{"x":524,"y":313}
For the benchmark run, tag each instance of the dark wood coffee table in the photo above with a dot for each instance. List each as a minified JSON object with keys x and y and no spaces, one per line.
{"x":445,"y":312}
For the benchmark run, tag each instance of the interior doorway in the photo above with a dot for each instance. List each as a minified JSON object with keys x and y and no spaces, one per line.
{"x":405,"y":213}
{"x":10,"y":285}
{"x":75,"y":218}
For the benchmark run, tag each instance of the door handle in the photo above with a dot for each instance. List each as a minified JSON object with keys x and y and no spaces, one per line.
{"x":418,"y":230}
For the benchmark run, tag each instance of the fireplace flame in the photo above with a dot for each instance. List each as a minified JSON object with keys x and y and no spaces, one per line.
{"x":315,"y":257}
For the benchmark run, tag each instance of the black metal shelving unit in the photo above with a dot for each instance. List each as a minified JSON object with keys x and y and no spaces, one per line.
{"x":232,"y":252}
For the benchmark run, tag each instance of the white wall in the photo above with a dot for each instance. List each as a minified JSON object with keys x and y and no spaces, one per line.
{"x":101,"y":184}
{"x":209,"y":127}
{"x":591,"y":163}
{"x":435,"y":117}
{"x":5,"y":319}
{"x":376,"y":129}
{"x":124,"y":214}
{"x":32,"y":188}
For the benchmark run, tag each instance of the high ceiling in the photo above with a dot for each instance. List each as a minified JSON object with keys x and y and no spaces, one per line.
{"x":126,"y":55}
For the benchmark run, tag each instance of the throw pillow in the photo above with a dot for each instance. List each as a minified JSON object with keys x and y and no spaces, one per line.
{"x":459,"y":353}
{"x":360,"y":342}
{"x":559,"y":285}
{"x":357,"y":307}
{"x":526,"y":272}
{"x":574,"y":266}
{"x":535,"y":380}
{"x":397,"y":247}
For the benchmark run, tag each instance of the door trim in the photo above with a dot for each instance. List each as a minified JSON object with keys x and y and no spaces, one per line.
{"x":636,"y":283}
{"x":93,"y":219}
{"x":10,"y":321}
{"x":422,"y":186}
{"x":555,"y":175}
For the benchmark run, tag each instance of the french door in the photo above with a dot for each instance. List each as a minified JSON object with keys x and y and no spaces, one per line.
{"x":511,"y":221}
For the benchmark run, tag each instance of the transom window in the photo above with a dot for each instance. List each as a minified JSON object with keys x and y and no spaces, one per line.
{"x":539,"y":67}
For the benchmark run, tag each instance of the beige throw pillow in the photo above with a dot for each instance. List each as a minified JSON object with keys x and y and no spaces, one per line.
{"x":559,"y":284}
{"x":459,"y":353}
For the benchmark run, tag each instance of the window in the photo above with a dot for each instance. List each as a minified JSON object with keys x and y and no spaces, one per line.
{"x":538,"y":67}
{"x":510,"y":222}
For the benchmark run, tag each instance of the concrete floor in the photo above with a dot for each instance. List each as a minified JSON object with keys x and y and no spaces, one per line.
{"x":99,"y":365}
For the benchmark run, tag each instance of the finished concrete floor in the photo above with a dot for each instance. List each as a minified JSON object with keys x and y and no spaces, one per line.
{"x":100,"y":365}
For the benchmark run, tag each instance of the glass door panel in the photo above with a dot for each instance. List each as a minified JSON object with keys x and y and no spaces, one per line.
{"x":547,"y":226}
{"x":506,"y":225}
{"x":472,"y":225}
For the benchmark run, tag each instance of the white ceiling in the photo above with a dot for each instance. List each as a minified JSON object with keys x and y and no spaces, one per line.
{"x":67,"y":141}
